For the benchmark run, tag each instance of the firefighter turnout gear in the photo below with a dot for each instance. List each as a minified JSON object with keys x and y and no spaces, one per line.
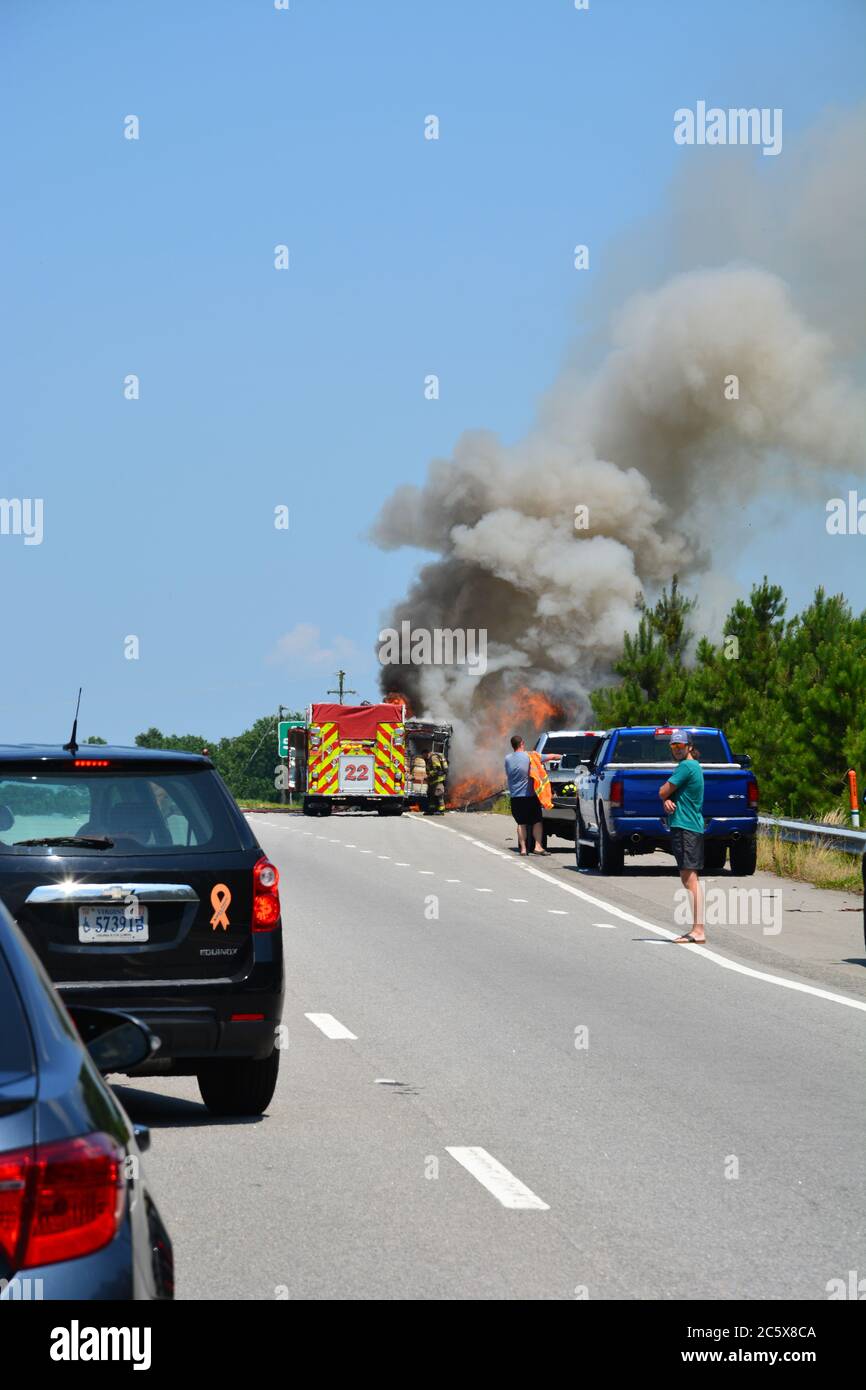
{"x":437,"y":771}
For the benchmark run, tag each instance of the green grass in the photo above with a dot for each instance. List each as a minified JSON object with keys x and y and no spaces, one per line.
{"x":824,"y":868}
{"x":257,"y":804}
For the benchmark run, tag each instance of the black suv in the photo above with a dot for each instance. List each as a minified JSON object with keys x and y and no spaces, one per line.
{"x":141,"y":887}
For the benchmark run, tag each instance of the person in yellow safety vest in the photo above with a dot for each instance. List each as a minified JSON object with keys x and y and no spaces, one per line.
{"x":526,"y":786}
{"x":437,"y":771}
{"x":541,"y":781}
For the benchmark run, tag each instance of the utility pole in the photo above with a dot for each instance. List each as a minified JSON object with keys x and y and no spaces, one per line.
{"x":341,"y":676}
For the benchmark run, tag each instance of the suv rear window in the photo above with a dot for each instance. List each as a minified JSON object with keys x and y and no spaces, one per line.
{"x":581,"y":744}
{"x":646,"y":748}
{"x":152,"y":811}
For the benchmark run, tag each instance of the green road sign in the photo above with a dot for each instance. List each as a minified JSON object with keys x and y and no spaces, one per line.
{"x":283,"y":734}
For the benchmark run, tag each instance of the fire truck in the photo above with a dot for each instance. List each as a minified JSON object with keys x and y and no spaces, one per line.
{"x":356,"y":756}
{"x":366,"y":756}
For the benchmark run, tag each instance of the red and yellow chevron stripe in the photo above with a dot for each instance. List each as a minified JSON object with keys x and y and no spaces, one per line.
{"x":389,"y":760}
{"x":390,"y":763}
{"x":324,"y":764}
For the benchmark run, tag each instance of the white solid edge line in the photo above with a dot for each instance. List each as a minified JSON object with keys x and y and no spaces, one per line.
{"x":505,"y":1187}
{"x":704,"y":951}
{"x":330,"y":1026}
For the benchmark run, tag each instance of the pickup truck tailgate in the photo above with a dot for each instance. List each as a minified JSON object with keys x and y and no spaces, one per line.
{"x":725,"y":790}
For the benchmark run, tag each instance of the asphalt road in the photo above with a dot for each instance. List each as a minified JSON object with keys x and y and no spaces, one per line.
{"x":654,"y":1121}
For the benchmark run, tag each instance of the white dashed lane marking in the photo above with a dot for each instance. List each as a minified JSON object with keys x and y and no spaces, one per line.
{"x":330,"y":1026}
{"x":506,"y":1188}
{"x":723,"y":962}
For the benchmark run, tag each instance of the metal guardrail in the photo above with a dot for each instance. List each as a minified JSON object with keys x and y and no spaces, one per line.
{"x":831,"y":836}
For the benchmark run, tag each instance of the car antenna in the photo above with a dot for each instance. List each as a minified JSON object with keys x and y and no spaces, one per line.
{"x":72,"y":745}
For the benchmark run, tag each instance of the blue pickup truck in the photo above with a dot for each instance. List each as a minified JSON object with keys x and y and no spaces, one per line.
{"x":618,"y":811}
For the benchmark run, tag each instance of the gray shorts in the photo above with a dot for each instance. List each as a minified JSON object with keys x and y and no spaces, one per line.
{"x":687,"y":847}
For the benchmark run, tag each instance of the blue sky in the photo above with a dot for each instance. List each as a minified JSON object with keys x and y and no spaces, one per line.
{"x":305,"y":388}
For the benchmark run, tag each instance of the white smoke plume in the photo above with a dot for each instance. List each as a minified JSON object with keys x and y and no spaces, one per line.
{"x":655,"y":449}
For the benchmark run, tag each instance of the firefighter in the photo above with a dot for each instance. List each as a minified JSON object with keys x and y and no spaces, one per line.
{"x":437,"y":771}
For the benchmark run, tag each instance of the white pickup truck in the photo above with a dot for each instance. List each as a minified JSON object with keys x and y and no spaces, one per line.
{"x":564,"y":752}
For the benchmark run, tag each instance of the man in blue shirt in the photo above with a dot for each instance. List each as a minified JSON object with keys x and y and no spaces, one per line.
{"x":683,"y":799}
{"x":525,"y":806}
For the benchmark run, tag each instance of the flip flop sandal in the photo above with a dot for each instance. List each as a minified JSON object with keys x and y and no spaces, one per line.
{"x":693,"y":940}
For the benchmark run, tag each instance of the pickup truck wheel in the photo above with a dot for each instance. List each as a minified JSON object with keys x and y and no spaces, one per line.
{"x":586,"y":856}
{"x":611,"y":856}
{"x":239,"y":1086}
{"x":715,"y":855}
{"x":744,"y":857}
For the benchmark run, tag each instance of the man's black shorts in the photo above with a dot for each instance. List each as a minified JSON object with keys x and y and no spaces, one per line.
{"x":526,"y":810}
{"x":687,"y":847}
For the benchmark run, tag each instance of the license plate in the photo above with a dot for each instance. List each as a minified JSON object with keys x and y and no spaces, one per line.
{"x":356,"y":774}
{"x":96,"y":924}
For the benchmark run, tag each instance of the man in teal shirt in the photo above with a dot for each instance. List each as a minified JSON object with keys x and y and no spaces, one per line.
{"x":683,"y":799}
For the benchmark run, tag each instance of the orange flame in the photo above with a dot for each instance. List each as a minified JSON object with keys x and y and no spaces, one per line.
{"x":525,"y":711}
{"x":527,"y":706}
{"x":470,"y":790}
{"x":395,"y":698}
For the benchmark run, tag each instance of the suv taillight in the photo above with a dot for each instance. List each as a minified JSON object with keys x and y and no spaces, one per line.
{"x":616,"y":792}
{"x":60,"y":1201}
{"x":752,"y":792}
{"x":266,"y":896}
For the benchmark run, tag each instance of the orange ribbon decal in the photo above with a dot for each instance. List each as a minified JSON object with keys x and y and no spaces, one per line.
{"x":220,"y":897}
